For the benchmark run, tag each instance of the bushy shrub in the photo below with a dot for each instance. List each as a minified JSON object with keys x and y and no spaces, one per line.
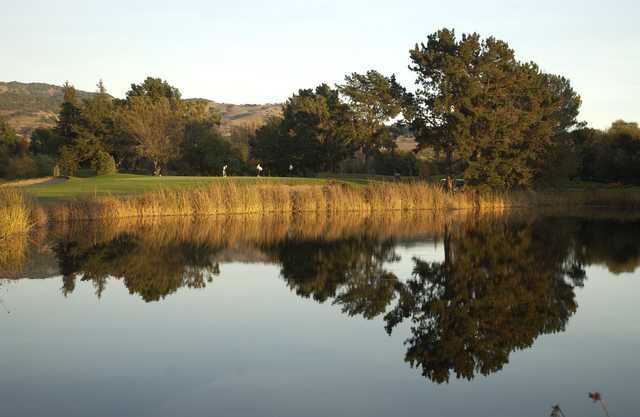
{"x":391,"y":163}
{"x":68,"y":162}
{"x":21,"y":167}
{"x":45,"y":165}
{"x":103,"y":164}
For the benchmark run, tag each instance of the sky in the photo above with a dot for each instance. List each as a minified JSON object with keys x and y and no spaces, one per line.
{"x":254,"y":51}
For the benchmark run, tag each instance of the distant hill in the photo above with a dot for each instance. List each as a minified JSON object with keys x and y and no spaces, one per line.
{"x":27,"y":106}
{"x":251,"y":115}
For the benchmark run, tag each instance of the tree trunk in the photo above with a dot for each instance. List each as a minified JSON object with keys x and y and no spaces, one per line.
{"x":156,"y":168}
{"x":449,"y":170}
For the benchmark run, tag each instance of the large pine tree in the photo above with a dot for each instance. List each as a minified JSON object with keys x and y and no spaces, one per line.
{"x":493,"y":117}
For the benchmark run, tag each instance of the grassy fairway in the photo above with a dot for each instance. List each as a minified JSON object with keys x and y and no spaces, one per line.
{"x":135,"y":184}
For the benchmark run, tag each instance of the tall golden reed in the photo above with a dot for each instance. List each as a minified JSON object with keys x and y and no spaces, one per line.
{"x":229,"y":198}
{"x":14,"y":213}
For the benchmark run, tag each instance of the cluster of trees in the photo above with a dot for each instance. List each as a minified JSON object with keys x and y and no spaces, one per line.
{"x":152,"y":129}
{"x":612,"y":155}
{"x":490,"y":118}
{"x":322,"y":128}
{"x":15,"y":160}
{"x":476,"y":112}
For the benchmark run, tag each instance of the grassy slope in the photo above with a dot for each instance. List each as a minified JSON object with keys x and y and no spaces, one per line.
{"x":134,"y":184}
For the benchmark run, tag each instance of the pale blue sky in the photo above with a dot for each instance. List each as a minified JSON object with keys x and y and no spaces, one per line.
{"x":262,"y":51}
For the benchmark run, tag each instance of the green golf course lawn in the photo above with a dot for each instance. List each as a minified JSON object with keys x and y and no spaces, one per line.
{"x":134,"y":184}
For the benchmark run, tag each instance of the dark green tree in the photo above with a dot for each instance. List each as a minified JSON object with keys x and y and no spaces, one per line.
{"x":375,"y":100}
{"x":316,"y":132}
{"x":14,"y":161}
{"x":45,"y":141}
{"x":154,"y":88}
{"x":493,"y":117}
{"x":205,"y":151}
{"x":157,"y":128}
{"x":70,"y":124}
{"x":98,"y":112}
{"x":274,"y":148}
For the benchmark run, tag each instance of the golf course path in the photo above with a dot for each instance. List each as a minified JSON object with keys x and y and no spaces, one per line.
{"x":34,"y":181}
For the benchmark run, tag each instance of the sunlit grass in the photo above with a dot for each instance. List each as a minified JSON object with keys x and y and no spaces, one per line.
{"x":224,"y":198}
{"x":14,"y":213}
{"x":122,"y":196}
{"x":119,"y":184}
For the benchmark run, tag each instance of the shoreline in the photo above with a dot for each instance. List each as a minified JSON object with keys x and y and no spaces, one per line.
{"x":19,"y":212}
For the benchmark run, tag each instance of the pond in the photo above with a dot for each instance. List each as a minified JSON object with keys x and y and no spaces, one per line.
{"x":403,"y":315}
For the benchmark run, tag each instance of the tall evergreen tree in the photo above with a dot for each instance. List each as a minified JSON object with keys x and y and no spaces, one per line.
{"x":98,"y":112}
{"x":154,"y":88}
{"x":375,"y":100}
{"x":70,"y":121}
{"x":316,"y":132}
{"x":493,"y":117}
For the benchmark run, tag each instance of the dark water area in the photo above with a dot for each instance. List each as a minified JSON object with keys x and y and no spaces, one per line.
{"x":400,"y":316}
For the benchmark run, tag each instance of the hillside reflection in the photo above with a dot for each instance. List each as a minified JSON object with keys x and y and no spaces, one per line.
{"x":501,"y":283}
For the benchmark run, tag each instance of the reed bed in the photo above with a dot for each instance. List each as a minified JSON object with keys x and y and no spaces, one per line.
{"x":15,"y":214}
{"x":231,"y":199}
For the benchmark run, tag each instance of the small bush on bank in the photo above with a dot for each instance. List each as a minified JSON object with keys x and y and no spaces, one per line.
{"x":68,"y":162}
{"x":21,"y":167}
{"x":45,"y":164}
{"x":103,"y":164}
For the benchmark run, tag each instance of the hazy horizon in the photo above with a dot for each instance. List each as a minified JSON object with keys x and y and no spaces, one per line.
{"x":257,"y":53}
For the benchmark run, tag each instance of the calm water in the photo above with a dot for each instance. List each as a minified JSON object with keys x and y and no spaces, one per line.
{"x":313,"y":317}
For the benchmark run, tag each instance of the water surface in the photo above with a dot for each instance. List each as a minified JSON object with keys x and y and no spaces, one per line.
{"x":400,"y":316}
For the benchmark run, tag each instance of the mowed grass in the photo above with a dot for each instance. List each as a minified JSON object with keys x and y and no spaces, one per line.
{"x":120,"y":184}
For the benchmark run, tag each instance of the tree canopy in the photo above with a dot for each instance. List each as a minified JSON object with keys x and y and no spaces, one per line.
{"x":493,"y":117}
{"x":315,"y":133}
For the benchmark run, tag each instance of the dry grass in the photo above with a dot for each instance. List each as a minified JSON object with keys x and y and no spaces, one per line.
{"x":223,"y":198}
{"x":226,"y":199}
{"x":15,"y":223}
{"x":15,"y":215}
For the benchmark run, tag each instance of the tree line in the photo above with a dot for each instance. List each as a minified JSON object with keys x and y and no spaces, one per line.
{"x":476,"y":112}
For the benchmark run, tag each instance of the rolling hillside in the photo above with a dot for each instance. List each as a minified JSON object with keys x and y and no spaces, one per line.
{"x":27,"y":106}
{"x":251,"y":115}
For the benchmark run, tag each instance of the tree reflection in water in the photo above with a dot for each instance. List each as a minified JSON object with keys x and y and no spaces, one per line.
{"x":501,"y":284}
{"x":149,"y":269}
{"x":351,"y":271}
{"x":498,"y":288}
